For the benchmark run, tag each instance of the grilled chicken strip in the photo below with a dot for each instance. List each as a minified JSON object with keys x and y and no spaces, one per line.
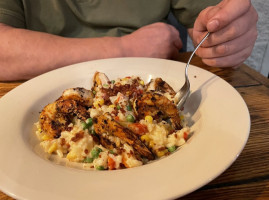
{"x":52,"y":122}
{"x":159,"y":85}
{"x":81,"y":95}
{"x":99,"y":79}
{"x":105,"y":124}
{"x":159,"y":107}
{"x":56,"y":116}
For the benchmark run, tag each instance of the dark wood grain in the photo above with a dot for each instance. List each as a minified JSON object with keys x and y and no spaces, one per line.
{"x":4,"y":196}
{"x":5,"y":87}
{"x":248,"y":177}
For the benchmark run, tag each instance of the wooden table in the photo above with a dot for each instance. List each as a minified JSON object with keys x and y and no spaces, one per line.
{"x":248,"y":177}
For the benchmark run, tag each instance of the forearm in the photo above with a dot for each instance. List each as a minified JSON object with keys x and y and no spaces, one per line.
{"x":25,"y":54}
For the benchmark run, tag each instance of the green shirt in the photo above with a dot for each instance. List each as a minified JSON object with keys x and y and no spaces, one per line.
{"x":96,"y":18}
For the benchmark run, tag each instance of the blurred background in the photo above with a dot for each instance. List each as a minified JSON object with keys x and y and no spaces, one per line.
{"x":259,"y":59}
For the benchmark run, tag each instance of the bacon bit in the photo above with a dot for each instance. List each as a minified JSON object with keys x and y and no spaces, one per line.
{"x":161,"y":148}
{"x":86,"y":151}
{"x":111,"y":163}
{"x":78,"y":136}
{"x":122,"y":166}
{"x":106,"y":96}
{"x":122,"y":110}
{"x":185,"y":136}
{"x":95,"y":138}
{"x":62,"y":142}
{"x":70,"y":128}
{"x":131,"y":152}
{"x":119,"y":151}
{"x":140,"y":91}
{"x":175,"y":135}
{"x":68,"y":146}
{"x":114,"y":112}
{"x":124,"y":89}
{"x":167,"y":153}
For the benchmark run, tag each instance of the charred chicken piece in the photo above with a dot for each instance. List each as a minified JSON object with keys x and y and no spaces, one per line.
{"x":159,"y":107}
{"x":105,"y":124}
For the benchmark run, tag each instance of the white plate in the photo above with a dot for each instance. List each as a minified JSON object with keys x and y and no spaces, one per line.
{"x":220,"y":122}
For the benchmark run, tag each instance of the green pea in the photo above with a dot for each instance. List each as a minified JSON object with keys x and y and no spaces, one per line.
{"x":129,"y":107}
{"x":118,"y":107}
{"x":130,"y":118}
{"x":172,"y":148}
{"x":112,"y":81}
{"x":94,"y":92}
{"x":95,"y":152}
{"x":100,"y":167}
{"x":88,"y":160}
{"x":92,"y":131}
{"x":89,"y":121}
{"x":84,"y":125}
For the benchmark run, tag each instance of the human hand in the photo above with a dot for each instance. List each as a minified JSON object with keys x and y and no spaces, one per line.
{"x":233,"y":33}
{"x":158,"y":40}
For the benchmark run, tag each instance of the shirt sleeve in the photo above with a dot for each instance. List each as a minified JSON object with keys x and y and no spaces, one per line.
{"x":186,"y":11}
{"x":12,"y":13}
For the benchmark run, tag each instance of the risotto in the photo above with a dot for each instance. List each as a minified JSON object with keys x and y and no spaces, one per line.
{"x":117,"y":124}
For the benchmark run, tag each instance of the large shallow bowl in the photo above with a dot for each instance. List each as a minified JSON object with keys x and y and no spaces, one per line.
{"x":219,"y":122}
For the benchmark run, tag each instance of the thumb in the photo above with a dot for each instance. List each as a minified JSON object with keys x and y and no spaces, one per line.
{"x":205,"y":18}
{"x":225,"y":13}
{"x":216,"y":17}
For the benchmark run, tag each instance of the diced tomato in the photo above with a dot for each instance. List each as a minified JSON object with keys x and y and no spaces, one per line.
{"x":117,"y":118}
{"x":111,"y":163}
{"x":140,"y":91}
{"x":117,"y":100}
{"x":138,"y":128}
{"x":185,"y":136}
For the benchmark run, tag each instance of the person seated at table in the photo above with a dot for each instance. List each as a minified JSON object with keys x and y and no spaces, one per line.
{"x":39,"y":36}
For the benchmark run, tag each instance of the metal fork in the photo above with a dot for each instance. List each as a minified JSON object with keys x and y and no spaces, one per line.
{"x":184,"y":92}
